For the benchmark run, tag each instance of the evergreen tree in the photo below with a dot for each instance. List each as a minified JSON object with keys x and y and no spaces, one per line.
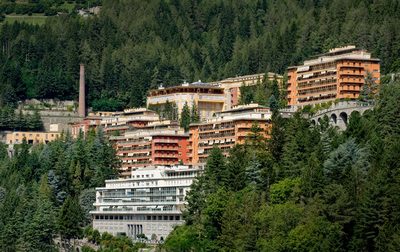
{"x":194,"y":115}
{"x":185,"y":117}
{"x":70,"y":219}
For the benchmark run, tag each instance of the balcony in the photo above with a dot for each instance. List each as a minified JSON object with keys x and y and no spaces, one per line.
{"x":351,"y":80}
{"x":316,"y":84}
{"x":161,"y":162}
{"x":165,"y":155}
{"x":317,"y":91}
{"x":158,"y":140}
{"x":161,"y":147}
{"x":350,"y":89}
{"x":352,"y":72}
{"x":317,"y":76}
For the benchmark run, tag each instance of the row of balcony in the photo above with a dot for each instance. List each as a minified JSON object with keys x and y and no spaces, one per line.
{"x":318,"y":97}
{"x":325,"y":90}
{"x":317,"y":76}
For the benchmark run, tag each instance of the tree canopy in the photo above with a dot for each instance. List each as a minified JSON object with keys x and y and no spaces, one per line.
{"x":308,"y":188}
{"x":131,"y":47}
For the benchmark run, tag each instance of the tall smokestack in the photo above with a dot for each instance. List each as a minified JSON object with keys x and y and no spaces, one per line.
{"x":82,"y":105}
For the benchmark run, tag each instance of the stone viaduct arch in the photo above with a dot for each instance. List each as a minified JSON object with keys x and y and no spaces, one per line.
{"x":339,"y":114}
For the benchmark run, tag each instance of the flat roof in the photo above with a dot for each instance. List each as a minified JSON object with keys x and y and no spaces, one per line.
{"x":333,"y":60}
{"x":195,"y":88}
{"x":228,"y":120}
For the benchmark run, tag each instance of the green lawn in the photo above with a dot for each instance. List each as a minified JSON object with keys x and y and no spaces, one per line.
{"x":34,"y":19}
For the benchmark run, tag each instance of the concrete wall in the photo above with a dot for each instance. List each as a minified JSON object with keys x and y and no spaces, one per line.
{"x":159,"y":228}
{"x":56,"y":120}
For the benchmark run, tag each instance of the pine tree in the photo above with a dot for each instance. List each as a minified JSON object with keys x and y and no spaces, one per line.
{"x":70,"y":219}
{"x":253,"y":172}
{"x":194,"y":115}
{"x":185,"y":117}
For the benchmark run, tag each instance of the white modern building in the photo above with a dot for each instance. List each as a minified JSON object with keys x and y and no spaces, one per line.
{"x":149,"y":203}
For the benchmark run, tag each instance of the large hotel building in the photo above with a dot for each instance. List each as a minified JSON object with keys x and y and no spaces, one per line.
{"x":228,"y":128}
{"x":338,"y":74}
{"x":149,"y":202}
{"x":207,"y":98}
{"x":158,"y":143}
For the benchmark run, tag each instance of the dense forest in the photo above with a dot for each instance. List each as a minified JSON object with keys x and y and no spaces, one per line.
{"x":47,"y":191}
{"x":306,"y":188}
{"x":46,"y":7}
{"x":131,"y":46}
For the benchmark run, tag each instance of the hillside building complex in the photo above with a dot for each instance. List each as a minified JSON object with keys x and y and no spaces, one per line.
{"x":159,"y":143}
{"x":148,"y":203}
{"x":227,"y":129}
{"x":338,"y":74}
{"x":207,"y":98}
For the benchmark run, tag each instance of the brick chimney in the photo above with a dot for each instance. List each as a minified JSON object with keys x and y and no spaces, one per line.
{"x":82,"y":105}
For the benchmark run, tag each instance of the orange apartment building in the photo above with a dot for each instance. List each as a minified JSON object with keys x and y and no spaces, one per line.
{"x":338,"y":74}
{"x":115,"y":123}
{"x":232,"y":86}
{"x":225,"y":130}
{"x":159,"y":143}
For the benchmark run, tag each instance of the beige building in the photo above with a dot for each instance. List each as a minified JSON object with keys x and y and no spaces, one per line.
{"x":208,"y":99}
{"x":232,"y":86}
{"x":31,"y":137}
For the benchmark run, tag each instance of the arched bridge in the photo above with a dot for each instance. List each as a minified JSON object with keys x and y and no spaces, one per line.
{"x":339,"y":114}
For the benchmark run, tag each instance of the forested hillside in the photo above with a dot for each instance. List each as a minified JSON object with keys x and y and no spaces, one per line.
{"x":47,"y":191}
{"x":304,"y":189}
{"x":132,"y":46}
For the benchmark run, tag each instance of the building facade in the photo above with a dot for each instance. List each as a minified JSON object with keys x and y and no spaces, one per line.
{"x":338,"y":74}
{"x":232,"y":86}
{"x":32,"y":137}
{"x":227,"y":129}
{"x":148,"y":203}
{"x":115,"y":123}
{"x":129,"y":119}
{"x":159,"y":143}
{"x":207,"y":98}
